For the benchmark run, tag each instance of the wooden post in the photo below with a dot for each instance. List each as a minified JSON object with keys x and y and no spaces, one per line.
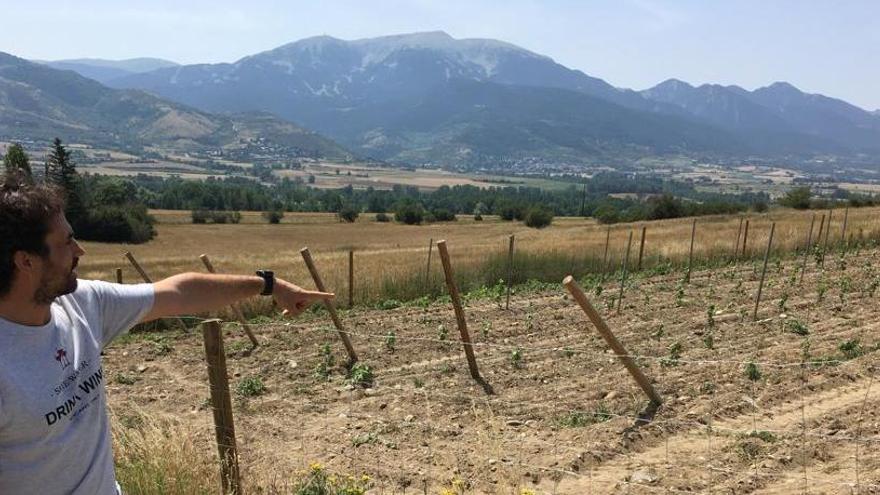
{"x":736,"y":244}
{"x":821,"y":229}
{"x":119,"y":275}
{"x":745,"y":238}
{"x":605,"y":256}
{"x":146,"y":278}
{"x":807,"y":248}
{"x":687,"y":278}
{"x":221,"y":403}
{"x":428,"y":269}
{"x":459,"y":311}
{"x":623,"y":276}
{"x":350,"y":278}
{"x":642,"y":247}
{"x":843,"y":232}
{"x":827,"y":234}
{"x":612,"y":341}
{"x":764,"y":271}
{"x":509,"y":271}
{"x":235,"y":309}
{"x":328,"y":303}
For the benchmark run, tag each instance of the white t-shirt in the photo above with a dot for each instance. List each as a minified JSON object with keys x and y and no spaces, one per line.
{"x":54,"y":428}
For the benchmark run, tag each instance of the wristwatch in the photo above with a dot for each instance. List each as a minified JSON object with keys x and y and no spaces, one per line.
{"x":268,"y":281}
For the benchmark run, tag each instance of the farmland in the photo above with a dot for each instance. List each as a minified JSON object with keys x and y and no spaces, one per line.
{"x":783,"y":404}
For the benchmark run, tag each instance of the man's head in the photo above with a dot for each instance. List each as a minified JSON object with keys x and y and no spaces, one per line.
{"x":38,"y":253}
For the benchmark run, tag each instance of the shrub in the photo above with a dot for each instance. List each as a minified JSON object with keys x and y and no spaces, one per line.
{"x":508,"y":211}
{"x":539,"y":217}
{"x":382,"y":217}
{"x":117,"y":223}
{"x":274,"y":216}
{"x":348,"y":214}
{"x":250,"y":387}
{"x":478,"y":218}
{"x":606,"y":213}
{"x":410,"y":213}
{"x":443,"y":215}
{"x":200,"y":216}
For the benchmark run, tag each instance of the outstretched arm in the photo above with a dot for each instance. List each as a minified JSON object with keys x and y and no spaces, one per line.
{"x":190,"y":293}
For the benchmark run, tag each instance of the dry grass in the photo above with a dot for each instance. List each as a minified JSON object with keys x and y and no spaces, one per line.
{"x":390,"y":259}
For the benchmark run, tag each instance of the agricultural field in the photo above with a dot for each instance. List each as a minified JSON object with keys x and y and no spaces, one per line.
{"x":784,"y":403}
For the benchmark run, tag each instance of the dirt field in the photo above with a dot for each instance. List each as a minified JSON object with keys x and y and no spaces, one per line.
{"x":563,"y":418}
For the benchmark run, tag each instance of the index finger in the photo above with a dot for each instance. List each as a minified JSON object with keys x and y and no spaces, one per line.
{"x":315,"y":295}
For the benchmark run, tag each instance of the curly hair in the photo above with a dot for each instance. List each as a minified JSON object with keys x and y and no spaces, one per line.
{"x":26,"y":211}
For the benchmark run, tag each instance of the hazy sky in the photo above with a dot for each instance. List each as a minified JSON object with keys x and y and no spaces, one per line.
{"x":830,"y":47}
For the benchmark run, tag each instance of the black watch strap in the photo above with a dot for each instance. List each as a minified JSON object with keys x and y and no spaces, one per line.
{"x":268,"y":281}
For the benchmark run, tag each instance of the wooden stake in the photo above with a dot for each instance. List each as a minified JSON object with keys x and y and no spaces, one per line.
{"x":764,"y":271}
{"x":221,"y":403}
{"x":736,"y":244}
{"x":642,"y":247}
{"x":821,"y":229}
{"x":119,"y":275}
{"x":745,"y":238}
{"x":843,"y":232}
{"x":509,"y":271}
{"x":459,"y":311}
{"x":605,"y":256}
{"x":623,"y":276}
{"x":350,"y":278}
{"x":146,"y":278}
{"x":328,"y":303}
{"x":687,"y":278}
{"x":428,"y":269}
{"x":235,"y":309}
{"x":807,"y":248}
{"x":612,"y":341}
{"x":827,"y":234}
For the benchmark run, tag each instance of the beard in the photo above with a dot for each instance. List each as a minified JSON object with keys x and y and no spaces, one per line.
{"x":56,"y":283}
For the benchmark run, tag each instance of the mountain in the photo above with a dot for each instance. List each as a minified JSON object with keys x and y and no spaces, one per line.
{"x":103,"y":70}
{"x":39,"y":102}
{"x":779,"y":114}
{"x":427,"y":97}
{"x":362,"y":92}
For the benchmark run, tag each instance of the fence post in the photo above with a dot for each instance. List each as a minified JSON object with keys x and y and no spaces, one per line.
{"x":331,"y":307}
{"x":764,"y":271}
{"x":605,"y":256}
{"x":745,"y":238}
{"x":687,"y":277}
{"x":843,"y":233}
{"x":509,"y":271}
{"x":611,"y":340}
{"x":642,"y":247}
{"x":623,"y":276}
{"x":235,"y":309}
{"x":428,"y":269}
{"x":736,"y":244}
{"x":827,"y":234}
{"x":459,"y":311}
{"x":350,"y":278}
{"x":119,"y":275}
{"x":146,"y":278}
{"x":807,"y":248}
{"x":221,"y":403}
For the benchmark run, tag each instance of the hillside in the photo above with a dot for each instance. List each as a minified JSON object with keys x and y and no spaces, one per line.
{"x":39,"y":103}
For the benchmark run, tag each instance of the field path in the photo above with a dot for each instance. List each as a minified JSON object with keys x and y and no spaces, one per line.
{"x":691,"y":448}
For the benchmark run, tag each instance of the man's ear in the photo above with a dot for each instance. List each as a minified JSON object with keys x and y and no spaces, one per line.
{"x":25,"y":263}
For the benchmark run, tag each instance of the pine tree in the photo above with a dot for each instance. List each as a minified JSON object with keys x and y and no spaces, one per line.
{"x":16,"y":161}
{"x":61,"y":170}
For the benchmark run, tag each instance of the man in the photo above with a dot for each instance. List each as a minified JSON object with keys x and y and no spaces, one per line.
{"x":54,"y":427}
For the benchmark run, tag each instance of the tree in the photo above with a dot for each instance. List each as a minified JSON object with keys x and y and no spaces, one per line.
{"x":61,"y":170}
{"x":538,"y":217}
{"x":666,"y":206}
{"x":797,"y":198}
{"x":348,"y":214}
{"x":16,"y":161}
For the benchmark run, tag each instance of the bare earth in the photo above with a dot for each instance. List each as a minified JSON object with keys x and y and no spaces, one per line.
{"x":426,"y":425}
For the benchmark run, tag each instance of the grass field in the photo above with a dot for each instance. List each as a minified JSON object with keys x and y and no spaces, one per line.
{"x":391,"y":259}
